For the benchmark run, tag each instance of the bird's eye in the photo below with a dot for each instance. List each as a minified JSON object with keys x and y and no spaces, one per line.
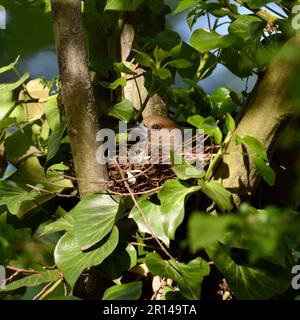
{"x":156,"y":127}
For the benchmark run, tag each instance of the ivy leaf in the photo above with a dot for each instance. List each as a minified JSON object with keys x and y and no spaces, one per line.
{"x":14,"y":196}
{"x":72,"y":261}
{"x":218,"y":194}
{"x":254,"y":145}
{"x":127,"y":291}
{"x":172,"y":197}
{"x":184,"y":170}
{"x":205,"y":40}
{"x":222,"y":102}
{"x":34,"y":280}
{"x":189,"y":276}
{"x":208,"y":125}
{"x":55,"y":138}
{"x":144,"y":60}
{"x":32,"y":173}
{"x":121,"y":67}
{"x":163,"y":73}
{"x":230,"y":123}
{"x":94,"y":218}
{"x":123,"y":110}
{"x":247,"y":27}
{"x":13,"y":148}
{"x":160,"y":54}
{"x":121,"y":260}
{"x":154,"y":217}
{"x":265,"y":171}
{"x":205,"y":230}
{"x":52,"y":112}
{"x":249,"y":282}
{"x":185,"y":4}
{"x":123,"y":5}
{"x":65,"y":223}
{"x":114,"y":85}
{"x":180,"y":64}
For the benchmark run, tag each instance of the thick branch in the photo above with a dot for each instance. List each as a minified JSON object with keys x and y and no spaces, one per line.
{"x":271,"y":105}
{"x":77,"y":95}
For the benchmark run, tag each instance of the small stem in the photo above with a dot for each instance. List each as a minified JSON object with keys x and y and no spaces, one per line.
{"x":214,"y":162}
{"x":150,"y":229}
{"x":48,"y":289}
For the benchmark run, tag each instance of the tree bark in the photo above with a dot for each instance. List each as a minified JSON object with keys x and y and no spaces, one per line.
{"x":270,"y":106}
{"x":77,"y":95}
{"x":135,"y":91}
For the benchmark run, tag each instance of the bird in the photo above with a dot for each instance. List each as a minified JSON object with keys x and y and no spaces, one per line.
{"x":158,"y":136}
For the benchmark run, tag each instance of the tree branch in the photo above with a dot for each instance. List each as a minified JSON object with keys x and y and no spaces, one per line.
{"x":77,"y":94}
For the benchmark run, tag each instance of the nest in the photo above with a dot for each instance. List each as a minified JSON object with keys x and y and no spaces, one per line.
{"x":146,"y":178}
{"x":142,"y":178}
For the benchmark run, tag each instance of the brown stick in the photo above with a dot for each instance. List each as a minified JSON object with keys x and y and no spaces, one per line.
{"x":77,"y":95}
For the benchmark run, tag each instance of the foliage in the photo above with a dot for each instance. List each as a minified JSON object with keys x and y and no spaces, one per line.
{"x":191,"y":217}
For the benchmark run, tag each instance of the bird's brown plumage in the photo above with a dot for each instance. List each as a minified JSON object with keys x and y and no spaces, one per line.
{"x":159,"y":122}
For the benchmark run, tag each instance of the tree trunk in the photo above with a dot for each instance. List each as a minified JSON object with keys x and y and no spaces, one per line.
{"x":77,"y":95}
{"x":135,"y":91}
{"x":269,"y":107}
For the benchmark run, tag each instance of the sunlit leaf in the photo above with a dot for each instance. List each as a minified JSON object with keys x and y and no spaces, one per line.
{"x":126,"y":291}
{"x":188,"y":276}
{"x":72,"y":261}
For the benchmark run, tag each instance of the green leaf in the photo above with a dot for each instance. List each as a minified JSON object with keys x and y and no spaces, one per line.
{"x":55,"y":139}
{"x":172,"y":197}
{"x":205,"y":40}
{"x":121,"y":260}
{"x":230,"y":123}
{"x":121,"y":67}
{"x":208,"y":125}
{"x":188,"y":277}
{"x":52,"y":112}
{"x":13,"y":148}
{"x":65,"y":223}
{"x":5,"y":123}
{"x":163,"y":73}
{"x":123,"y":5}
{"x":14,"y":196}
{"x":127,"y":291}
{"x":222,"y":102}
{"x":94,"y":217}
{"x":185,"y":171}
{"x":205,"y":230}
{"x":13,"y":86}
{"x":195,"y":120}
{"x":185,"y":4}
{"x":10,"y":66}
{"x":114,"y":85}
{"x":255,"y":4}
{"x":218,"y":194}
{"x":265,"y":171}
{"x":249,"y":282}
{"x":145,"y":60}
{"x":255,"y":146}
{"x":154,"y":217}
{"x":160,"y":54}
{"x":247,"y":27}
{"x":34,"y":280}
{"x":72,"y":261}
{"x":180,"y":64}
{"x":32,"y":173}
{"x":123,"y":110}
